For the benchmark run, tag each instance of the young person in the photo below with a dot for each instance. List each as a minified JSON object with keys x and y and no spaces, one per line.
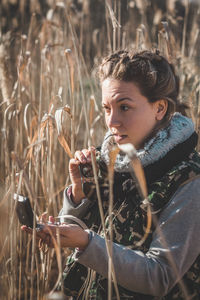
{"x":140,"y":98}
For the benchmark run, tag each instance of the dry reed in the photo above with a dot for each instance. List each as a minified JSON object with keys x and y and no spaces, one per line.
{"x":50,"y":107}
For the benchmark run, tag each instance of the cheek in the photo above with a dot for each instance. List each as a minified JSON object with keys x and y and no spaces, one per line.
{"x":106,"y":120}
{"x":129,"y":123}
{"x":140,"y":121}
{"x":147,"y":115}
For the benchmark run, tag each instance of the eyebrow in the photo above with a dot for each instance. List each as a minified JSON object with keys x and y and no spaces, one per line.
{"x":125,"y":98}
{"x":121,"y":99}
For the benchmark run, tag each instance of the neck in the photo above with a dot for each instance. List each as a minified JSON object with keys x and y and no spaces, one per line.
{"x":159,"y":126}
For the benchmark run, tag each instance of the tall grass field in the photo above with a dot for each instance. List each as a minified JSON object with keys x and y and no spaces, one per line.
{"x":50,"y":106}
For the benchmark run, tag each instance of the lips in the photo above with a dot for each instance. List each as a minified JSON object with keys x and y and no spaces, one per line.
{"x":119,"y":138}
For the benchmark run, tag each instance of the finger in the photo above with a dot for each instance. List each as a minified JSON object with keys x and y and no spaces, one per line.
{"x":87,"y":154}
{"x":92,"y":148}
{"x":39,"y":234}
{"x":74,"y":163}
{"x":69,"y":235}
{"x":79,"y":155}
{"x":27,"y":229}
{"x":57,"y":230}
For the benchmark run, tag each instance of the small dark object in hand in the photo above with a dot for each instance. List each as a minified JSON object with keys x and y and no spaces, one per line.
{"x":24,"y":211}
{"x":86,"y":170}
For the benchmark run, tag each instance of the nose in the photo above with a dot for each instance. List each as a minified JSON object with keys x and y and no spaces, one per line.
{"x":113,"y":120}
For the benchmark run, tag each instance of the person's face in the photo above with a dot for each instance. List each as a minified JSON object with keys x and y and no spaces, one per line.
{"x":128,"y":114}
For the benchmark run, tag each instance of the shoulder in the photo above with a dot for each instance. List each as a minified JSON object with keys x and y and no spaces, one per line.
{"x":187,"y":197}
{"x":189,"y":188}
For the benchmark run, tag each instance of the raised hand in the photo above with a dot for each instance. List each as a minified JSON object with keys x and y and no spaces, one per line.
{"x":80,"y":157}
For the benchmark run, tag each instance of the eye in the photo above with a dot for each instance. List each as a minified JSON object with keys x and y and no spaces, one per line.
{"x":124,"y":107}
{"x":106,"y":108}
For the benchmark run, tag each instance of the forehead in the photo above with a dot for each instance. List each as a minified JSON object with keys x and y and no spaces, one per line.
{"x":114,"y":89}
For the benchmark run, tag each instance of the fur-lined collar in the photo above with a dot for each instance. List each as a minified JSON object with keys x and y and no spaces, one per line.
{"x":179,"y":129}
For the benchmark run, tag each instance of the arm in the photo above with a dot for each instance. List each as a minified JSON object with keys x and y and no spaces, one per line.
{"x":74,"y":202}
{"x":71,"y":208}
{"x":151,"y":273}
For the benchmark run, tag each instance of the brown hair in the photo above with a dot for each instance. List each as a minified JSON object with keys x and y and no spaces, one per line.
{"x":153,"y":74}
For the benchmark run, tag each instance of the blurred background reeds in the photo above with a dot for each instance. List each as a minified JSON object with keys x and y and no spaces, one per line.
{"x":50,"y":105}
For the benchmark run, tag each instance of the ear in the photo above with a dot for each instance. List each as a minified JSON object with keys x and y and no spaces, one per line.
{"x":160,"y":109}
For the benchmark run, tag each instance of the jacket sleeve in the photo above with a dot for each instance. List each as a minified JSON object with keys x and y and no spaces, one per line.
{"x":174,"y":248}
{"x":70,"y":208}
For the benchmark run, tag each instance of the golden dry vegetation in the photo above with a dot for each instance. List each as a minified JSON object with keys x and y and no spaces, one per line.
{"x":50,"y":105}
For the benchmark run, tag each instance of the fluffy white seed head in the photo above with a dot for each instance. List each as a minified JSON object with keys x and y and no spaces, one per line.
{"x":129,"y":149}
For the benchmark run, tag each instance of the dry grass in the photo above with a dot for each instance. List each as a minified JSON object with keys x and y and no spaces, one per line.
{"x":50,"y":106}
